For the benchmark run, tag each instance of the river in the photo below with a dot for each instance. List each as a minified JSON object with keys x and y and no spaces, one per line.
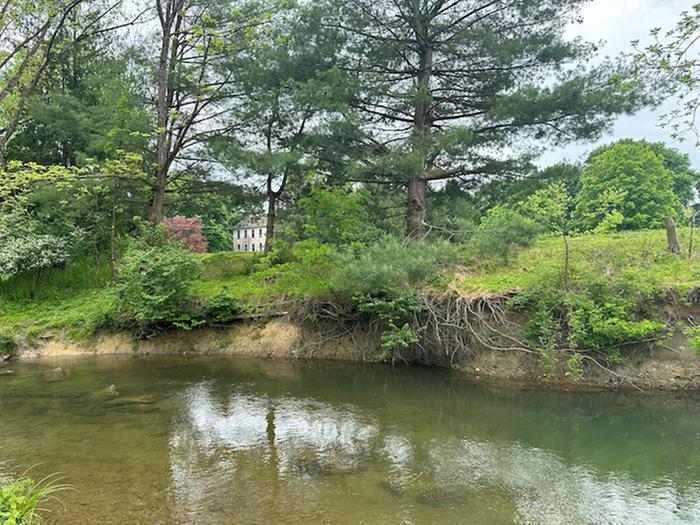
{"x":222,"y":440}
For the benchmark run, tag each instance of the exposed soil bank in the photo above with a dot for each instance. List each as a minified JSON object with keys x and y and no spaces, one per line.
{"x":674,"y":367}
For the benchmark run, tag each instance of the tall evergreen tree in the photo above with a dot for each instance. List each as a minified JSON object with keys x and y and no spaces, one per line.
{"x":449,"y":88}
{"x":291,"y":95}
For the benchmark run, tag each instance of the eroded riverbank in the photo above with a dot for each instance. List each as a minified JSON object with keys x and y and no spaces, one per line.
{"x":671,"y":367}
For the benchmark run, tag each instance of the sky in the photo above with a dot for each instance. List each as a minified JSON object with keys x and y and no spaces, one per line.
{"x":617,"y":23}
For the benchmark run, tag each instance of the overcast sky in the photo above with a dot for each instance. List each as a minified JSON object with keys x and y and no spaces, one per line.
{"x":618,"y":22}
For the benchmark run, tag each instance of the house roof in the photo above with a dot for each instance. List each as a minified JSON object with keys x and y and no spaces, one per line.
{"x":252,"y":221}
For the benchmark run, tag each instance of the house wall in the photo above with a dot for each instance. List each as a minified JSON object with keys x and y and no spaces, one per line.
{"x":249,"y":239}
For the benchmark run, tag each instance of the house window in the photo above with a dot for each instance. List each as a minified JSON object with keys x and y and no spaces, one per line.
{"x":238,"y":247}
{"x":245,"y":233}
{"x":261,"y":247}
{"x":261,"y":233}
{"x":252,"y":233}
{"x":246,"y":247}
{"x":253,"y":245}
{"x":238,"y":235}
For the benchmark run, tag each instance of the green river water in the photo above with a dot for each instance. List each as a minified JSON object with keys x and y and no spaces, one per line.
{"x":245,"y":441}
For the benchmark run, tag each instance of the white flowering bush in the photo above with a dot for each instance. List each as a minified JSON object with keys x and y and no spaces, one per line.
{"x":24,"y":248}
{"x":31,"y":252}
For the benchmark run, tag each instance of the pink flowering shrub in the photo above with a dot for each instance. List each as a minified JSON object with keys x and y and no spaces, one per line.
{"x":188,"y":231}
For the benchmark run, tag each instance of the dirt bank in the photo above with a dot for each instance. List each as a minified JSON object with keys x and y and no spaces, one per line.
{"x":673,"y":367}
{"x":278,"y":339}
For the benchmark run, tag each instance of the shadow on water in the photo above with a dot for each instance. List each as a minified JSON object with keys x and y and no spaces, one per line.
{"x":188,"y":440}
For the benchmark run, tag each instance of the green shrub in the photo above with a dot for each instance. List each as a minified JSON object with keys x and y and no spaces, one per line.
{"x":595,"y":316}
{"x":397,"y":314}
{"x":154,"y":286}
{"x":8,"y":344}
{"x":298,"y":270}
{"x":693,"y":334}
{"x":501,"y":230}
{"x":20,"y":500}
{"x":222,"y":308}
{"x":389,"y":266}
{"x":575,"y":366}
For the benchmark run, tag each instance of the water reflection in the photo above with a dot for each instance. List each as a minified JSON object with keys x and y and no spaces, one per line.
{"x":265,"y":459}
{"x":227,"y":441}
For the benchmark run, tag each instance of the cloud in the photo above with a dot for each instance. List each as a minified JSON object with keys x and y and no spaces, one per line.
{"x":618,"y":22}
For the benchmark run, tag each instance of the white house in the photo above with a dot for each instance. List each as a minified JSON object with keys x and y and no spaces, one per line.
{"x":250,"y":234}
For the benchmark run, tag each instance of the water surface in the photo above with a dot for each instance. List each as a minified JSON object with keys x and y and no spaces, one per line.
{"x":242,"y":441}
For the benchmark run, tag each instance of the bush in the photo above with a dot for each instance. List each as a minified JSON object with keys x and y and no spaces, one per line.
{"x":154,"y":286}
{"x":187,"y":231}
{"x":222,"y":308}
{"x":397,"y":314}
{"x":25,"y":247}
{"x":594,"y":316}
{"x":501,"y":230}
{"x":389,"y":266}
{"x":19,"y":500}
{"x":298,"y":270}
{"x":8,"y":345}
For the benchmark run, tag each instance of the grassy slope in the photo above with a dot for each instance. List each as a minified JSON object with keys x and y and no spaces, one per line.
{"x":639,"y":256}
{"x":79,"y":297}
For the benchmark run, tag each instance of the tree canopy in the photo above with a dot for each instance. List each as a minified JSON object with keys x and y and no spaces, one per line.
{"x":447,"y":90}
{"x":343,"y":120}
{"x":626,"y":186}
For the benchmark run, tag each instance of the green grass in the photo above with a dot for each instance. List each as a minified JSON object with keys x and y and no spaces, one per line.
{"x":80,"y":314}
{"x":640,"y":256}
{"x":57,"y":283}
{"x":80,"y":299}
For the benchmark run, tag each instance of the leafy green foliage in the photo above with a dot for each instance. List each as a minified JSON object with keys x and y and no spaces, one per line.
{"x":20,"y":500}
{"x":22,"y":252}
{"x":8,"y":344}
{"x":398,"y":314}
{"x":550,"y":208}
{"x":685,"y":178}
{"x":335,"y":216}
{"x":575,"y":366}
{"x":223,"y":307}
{"x":693,"y":334}
{"x":503,"y":229}
{"x":600,"y":316}
{"x":512,"y":191}
{"x":154,"y":286}
{"x":630,"y":183}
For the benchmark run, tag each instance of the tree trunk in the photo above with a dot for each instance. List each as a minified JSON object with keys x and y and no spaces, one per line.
{"x":415,"y":209}
{"x":271,"y":217}
{"x":155,"y":214}
{"x":169,"y":19}
{"x":416,"y":186}
{"x":113,"y":246}
{"x":672,"y":236}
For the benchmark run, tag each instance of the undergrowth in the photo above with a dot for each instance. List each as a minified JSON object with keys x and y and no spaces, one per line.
{"x":597,"y":311}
